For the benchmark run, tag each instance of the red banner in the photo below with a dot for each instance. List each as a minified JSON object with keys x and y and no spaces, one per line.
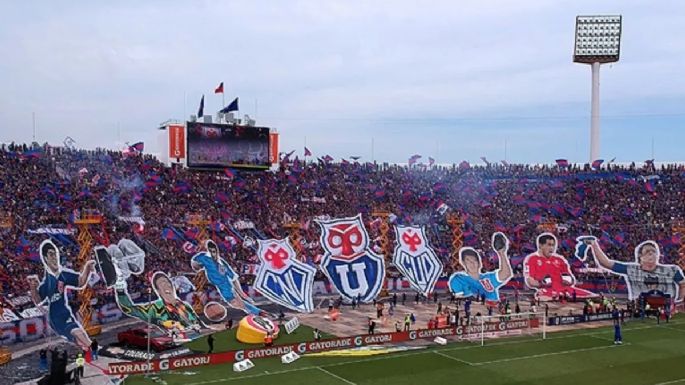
{"x":177,"y":142}
{"x":315,"y":346}
{"x":273,"y":147}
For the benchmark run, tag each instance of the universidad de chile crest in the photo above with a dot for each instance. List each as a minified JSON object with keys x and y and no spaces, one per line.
{"x":348,"y":262}
{"x":415,"y":259}
{"x":282,"y":278}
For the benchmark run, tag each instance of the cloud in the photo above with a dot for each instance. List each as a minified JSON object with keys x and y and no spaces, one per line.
{"x":464,"y":72}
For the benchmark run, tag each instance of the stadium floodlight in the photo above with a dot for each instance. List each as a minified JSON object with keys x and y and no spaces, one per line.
{"x":598,"y":41}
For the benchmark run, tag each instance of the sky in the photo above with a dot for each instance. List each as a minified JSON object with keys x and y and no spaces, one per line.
{"x":453,"y":80}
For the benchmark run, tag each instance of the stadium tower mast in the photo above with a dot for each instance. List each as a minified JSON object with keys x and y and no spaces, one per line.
{"x":598,"y":41}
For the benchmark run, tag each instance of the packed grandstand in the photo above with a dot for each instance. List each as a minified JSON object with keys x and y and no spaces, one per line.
{"x":164,"y":215}
{"x":44,"y":187}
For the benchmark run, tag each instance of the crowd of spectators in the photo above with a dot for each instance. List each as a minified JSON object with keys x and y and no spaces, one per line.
{"x":43,"y":186}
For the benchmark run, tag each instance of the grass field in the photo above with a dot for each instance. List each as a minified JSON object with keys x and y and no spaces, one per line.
{"x":650,"y":354}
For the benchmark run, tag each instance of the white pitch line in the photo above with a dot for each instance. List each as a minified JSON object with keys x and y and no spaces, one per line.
{"x":671,"y":382}
{"x":452,"y":358}
{"x":546,"y":354}
{"x":600,"y":338}
{"x":672,"y":328}
{"x":400,"y":355}
{"x":336,"y":376}
{"x":219,"y":380}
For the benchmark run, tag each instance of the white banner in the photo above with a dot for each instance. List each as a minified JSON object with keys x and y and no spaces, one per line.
{"x":183,"y":284}
{"x":313,"y":199}
{"x":243,"y":225}
{"x":8,"y":316}
{"x":291,"y":325}
{"x":51,"y":230}
{"x":32,"y":312}
{"x":132,"y":220}
{"x":18,"y":301}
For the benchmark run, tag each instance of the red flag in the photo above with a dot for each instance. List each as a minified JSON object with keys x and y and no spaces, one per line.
{"x":220,"y":89}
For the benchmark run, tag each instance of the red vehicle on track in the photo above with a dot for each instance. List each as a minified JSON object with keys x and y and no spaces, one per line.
{"x":137,"y":338}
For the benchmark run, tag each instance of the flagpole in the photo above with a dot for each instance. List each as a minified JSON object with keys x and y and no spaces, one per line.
{"x":223,"y":95}
{"x":34,"y":126}
{"x":652,"y":147}
{"x":373,"y":158}
{"x":505,"y":149}
{"x":305,"y":149}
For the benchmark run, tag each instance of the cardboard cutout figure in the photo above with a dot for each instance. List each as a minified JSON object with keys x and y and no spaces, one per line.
{"x":282,"y":278}
{"x":549,"y":273}
{"x":223,"y":277}
{"x":472,"y":281}
{"x":52,"y":288}
{"x":646,"y":275}
{"x":166,"y":311}
{"x":415,"y":259}
{"x":349,"y":263}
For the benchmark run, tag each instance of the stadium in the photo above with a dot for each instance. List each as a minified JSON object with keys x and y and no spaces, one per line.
{"x":277,"y":247}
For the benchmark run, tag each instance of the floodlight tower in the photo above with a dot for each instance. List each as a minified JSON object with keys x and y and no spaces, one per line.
{"x":598,"y":41}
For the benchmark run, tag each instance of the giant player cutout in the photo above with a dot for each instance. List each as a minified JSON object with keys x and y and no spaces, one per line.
{"x":549,"y":273}
{"x":166,"y":311}
{"x":646,"y":274}
{"x":472,"y":281}
{"x":223,"y":277}
{"x":52,"y":288}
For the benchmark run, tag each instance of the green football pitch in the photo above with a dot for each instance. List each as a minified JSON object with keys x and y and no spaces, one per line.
{"x":650,"y":354}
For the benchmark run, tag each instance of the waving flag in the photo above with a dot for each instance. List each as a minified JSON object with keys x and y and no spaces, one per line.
{"x":307,"y":152}
{"x":557,"y":209}
{"x":412,"y":160}
{"x":136,"y":147}
{"x":233,"y":106}
{"x":575,"y":212}
{"x":286,"y":158}
{"x":154,"y":180}
{"x":562,"y":163}
{"x":181,"y":187}
{"x":485,"y":160}
{"x":219,"y":89}
{"x":431,"y":162}
{"x":201,"y":110}
{"x":596,"y":164}
{"x":35,"y":153}
{"x":650,"y":186}
{"x":221,"y":197}
{"x":191,"y":233}
{"x":170,"y":235}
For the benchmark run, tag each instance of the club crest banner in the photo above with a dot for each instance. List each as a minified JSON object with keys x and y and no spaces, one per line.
{"x":348,"y":262}
{"x":415,"y":259}
{"x":282,"y":278}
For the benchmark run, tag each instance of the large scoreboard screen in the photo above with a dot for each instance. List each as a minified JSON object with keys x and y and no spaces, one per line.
{"x":213,"y":145}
